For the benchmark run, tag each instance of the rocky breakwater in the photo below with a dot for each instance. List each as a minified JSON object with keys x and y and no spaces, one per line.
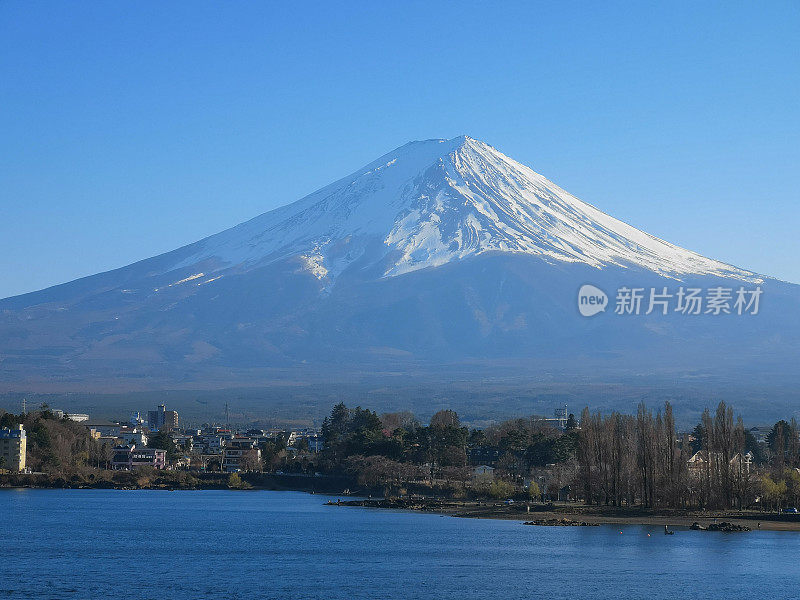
{"x":724,"y":526}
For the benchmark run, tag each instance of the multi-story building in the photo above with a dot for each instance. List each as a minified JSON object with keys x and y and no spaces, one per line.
{"x":234,"y":450}
{"x":130,"y":457}
{"x":161,"y":418}
{"x":13,"y":448}
{"x":311,"y":436}
{"x":78,"y":417}
{"x":211,"y":443}
{"x":183,"y":441}
{"x":133,"y":436}
{"x":315,"y":443}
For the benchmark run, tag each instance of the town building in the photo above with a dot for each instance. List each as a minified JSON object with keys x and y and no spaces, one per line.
{"x":161,"y":418}
{"x":297,"y":438}
{"x":701,"y":462}
{"x":186,"y":442}
{"x":315,"y":443}
{"x":483,"y":455}
{"x":78,"y":417}
{"x":13,"y":448}
{"x":234,"y":450}
{"x":129,"y":457}
{"x":132,"y":436}
{"x":760,"y":433}
{"x":104,"y":428}
{"x":210,"y":443}
{"x":483,"y":471}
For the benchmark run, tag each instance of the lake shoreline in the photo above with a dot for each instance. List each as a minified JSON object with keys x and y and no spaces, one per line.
{"x":591,"y":515}
{"x":178,"y":480}
{"x":471,"y":509}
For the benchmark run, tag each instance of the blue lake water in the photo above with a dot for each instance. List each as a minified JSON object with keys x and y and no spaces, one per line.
{"x":259,"y":544}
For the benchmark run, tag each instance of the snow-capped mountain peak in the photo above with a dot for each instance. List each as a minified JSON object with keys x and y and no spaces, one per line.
{"x":431,"y":202}
{"x":443,"y":255}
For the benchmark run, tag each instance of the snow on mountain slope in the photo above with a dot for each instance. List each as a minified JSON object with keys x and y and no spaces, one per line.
{"x":443,"y":256}
{"x":431,"y":202}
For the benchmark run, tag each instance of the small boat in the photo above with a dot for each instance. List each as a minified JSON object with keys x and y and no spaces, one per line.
{"x":667,"y":531}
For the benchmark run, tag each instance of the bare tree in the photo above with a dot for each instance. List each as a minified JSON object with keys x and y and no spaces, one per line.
{"x":250,"y":460}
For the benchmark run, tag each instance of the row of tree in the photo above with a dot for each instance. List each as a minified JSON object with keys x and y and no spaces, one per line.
{"x":641,"y":460}
{"x":613,"y":459}
{"x":395,"y":449}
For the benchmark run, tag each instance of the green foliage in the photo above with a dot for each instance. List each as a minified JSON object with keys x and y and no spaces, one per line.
{"x":235,"y":482}
{"x":40,"y":435}
{"x":500,"y":489}
{"x":162,"y":440}
{"x":477,"y":438}
{"x":572,"y":422}
{"x":792,"y":478}
{"x":46,"y":413}
{"x":57,"y":446}
{"x":565,"y":447}
{"x":751,"y":445}
{"x":443,"y":445}
{"x":778,"y":439}
{"x":774,"y":491}
{"x":525,"y":444}
{"x":10,"y":420}
{"x":534,"y":493}
{"x":699,"y":434}
{"x":271,"y":451}
{"x":346,"y":433}
{"x":515,"y":441}
{"x":446,"y":419}
{"x":365,"y":420}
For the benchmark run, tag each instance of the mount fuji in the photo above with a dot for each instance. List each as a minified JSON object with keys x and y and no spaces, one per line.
{"x":442,"y":258}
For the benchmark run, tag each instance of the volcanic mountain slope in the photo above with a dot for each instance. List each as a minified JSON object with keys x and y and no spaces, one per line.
{"x":440,"y":253}
{"x":429,"y":203}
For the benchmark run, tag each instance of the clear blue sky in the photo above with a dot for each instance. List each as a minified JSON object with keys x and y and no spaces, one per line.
{"x":129,"y":129}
